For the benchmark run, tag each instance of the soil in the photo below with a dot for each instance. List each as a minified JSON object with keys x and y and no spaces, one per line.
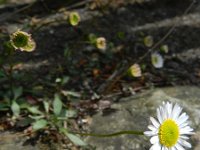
{"x":63,"y":50}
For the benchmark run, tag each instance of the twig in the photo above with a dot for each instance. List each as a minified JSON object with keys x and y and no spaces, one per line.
{"x":79,"y":4}
{"x":45,"y":5}
{"x":167,"y":34}
{"x":109,"y":81}
{"x":7,"y":16}
{"x":114,"y":77}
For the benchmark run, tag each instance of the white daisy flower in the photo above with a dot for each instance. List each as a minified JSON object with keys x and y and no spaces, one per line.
{"x":170,"y":130}
{"x":135,"y":71}
{"x":157,"y":60}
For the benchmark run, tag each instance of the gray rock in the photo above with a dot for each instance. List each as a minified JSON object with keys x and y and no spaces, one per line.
{"x":133,"y":114}
{"x":12,"y":141}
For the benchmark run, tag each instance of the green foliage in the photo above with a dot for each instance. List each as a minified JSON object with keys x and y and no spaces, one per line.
{"x":17,"y":92}
{"x":3,"y":2}
{"x":34,"y":110}
{"x":46,"y":106}
{"x":39,"y":124}
{"x":51,"y":113}
{"x":57,"y":105}
{"x":76,"y":140}
{"x":15,"y":108}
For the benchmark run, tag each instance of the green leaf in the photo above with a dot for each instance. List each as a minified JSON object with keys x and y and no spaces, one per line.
{"x":15,"y":108}
{"x":65,"y":114}
{"x":4,"y":107}
{"x":75,"y":139}
{"x":39,"y":124}
{"x":71,"y":93}
{"x":57,"y":105}
{"x":36,"y":117}
{"x":58,"y":80}
{"x":34,"y":110}
{"x":17,"y":92}
{"x":65,"y":80}
{"x":46,"y":106}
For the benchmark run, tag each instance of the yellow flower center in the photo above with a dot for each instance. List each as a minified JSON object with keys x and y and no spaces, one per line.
{"x":74,"y":18}
{"x":20,"y":39}
{"x":168,"y":133}
{"x":155,"y":59}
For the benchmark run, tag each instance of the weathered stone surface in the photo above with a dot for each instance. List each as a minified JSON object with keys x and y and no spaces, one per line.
{"x":133,"y":114}
{"x":10,"y":141}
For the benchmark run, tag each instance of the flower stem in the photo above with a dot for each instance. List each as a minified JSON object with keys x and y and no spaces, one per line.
{"x":111,"y":134}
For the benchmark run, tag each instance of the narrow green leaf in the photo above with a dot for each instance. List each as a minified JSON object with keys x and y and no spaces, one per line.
{"x":17,"y":92}
{"x":65,"y":80}
{"x":76,"y":140}
{"x":57,"y":105}
{"x":39,"y":124}
{"x":34,"y":110}
{"x":46,"y":106}
{"x":15,"y":108}
{"x":71,"y":93}
{"x":36,"y":117}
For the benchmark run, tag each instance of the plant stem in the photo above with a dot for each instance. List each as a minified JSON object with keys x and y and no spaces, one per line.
{"x":111,"y":134}
{"x":10,"y":75}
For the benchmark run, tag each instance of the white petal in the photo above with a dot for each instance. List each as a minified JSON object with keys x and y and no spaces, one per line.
{"x":176,"y":111}
{"x":154,"y":122}
{"x":185,"y":143}
{"x":169,"y":109}
{"x":152,"y":128}
{"x":157,"y":60}
{"x":184,"y":137}
{"x":159,"y":115}
{"x":156,"y":146}
{"x":149,"y":133}
{"x":173,"y":148}
{"x":183,"y":125}
{"x":182,"y":119}
{"x":154,"y":139}
{"x":163,"y":112}
{"x":163,"y":148}
{"x":186,"y":130}
{"x":179,"y":147}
